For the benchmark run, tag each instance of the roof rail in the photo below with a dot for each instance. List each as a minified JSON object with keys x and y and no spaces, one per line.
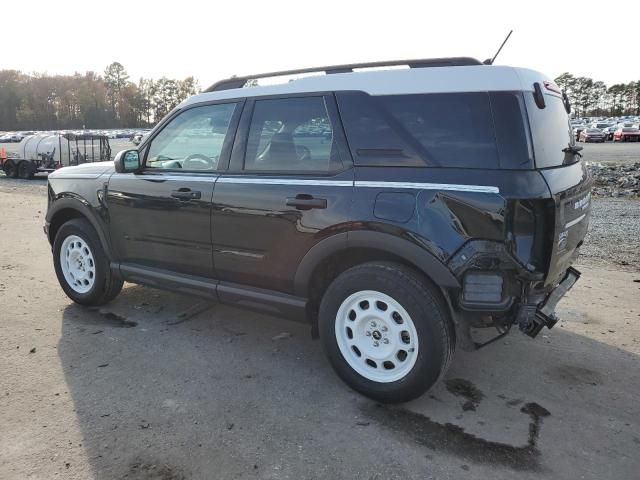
{"x":239,"y":82}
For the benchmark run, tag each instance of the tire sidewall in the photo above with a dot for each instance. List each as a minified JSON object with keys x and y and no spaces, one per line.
{"x":84,"y":230}
{"x":426,"y":313}
{"x":25,"y":170}
{"x":10,"y":169}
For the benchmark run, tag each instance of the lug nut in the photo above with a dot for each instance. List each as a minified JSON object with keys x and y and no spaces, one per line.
{"x":373,"y":324}
{"x":384,"y":329}
{"x":368,"y":333}
{"x":385,"y":341}
{"x":376,"y":343}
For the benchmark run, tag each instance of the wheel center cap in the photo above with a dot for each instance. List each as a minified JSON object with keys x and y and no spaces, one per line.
{"x":376,"y":335}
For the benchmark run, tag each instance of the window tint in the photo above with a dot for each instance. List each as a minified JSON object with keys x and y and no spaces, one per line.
{"x":291,"y":134}
{"x":193,"y":140}
{"x":470,"y":130}
{"x":509,"y":118}
{"x":455,"y":130}
{"x":372,"y":139}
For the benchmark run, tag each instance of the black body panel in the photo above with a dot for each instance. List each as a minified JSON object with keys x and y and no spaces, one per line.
{"x":150,"y":226}
{"x":259,"y":240}
{"x":570,"y":187}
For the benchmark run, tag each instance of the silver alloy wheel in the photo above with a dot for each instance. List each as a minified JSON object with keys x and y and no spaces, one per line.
{"x":77,"y":263}
{"x":376,"y":336}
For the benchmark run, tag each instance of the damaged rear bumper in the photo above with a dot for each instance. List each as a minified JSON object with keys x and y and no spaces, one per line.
{"x":531,"y":318}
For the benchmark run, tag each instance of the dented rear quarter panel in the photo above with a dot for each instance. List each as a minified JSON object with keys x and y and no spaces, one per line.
{"x":443,"y":220}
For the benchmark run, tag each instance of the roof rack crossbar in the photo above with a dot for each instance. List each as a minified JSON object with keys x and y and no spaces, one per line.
{"x":239,"y":82}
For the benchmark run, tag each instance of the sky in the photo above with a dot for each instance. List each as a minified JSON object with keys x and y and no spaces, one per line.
{"x":213,"y":40}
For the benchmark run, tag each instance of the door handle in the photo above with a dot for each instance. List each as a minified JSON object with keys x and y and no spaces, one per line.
{"x":186,"y":194}
{"x":306,"y":202}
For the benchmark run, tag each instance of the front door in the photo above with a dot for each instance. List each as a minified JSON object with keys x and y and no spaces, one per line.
{"x":289,"y":185}
{"x":161,"y":217}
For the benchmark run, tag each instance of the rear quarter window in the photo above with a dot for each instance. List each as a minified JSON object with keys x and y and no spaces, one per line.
{"x":466,"y":130}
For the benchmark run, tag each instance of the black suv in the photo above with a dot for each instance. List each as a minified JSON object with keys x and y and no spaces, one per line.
{"x":392,"y":209}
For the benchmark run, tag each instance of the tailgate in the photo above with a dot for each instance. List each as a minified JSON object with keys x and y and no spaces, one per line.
{"x":570,"y":188}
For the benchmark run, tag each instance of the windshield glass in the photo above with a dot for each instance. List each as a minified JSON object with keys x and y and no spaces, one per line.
{"x":551,"y":132}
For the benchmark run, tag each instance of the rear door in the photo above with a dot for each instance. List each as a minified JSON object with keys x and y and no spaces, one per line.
{"x":566,"y":175}
{"x":288,"y":186}
{"x":161,"y":217}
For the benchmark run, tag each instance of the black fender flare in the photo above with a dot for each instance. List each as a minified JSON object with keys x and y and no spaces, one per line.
{"x":84,"y":208}
{"x":431,"y":266}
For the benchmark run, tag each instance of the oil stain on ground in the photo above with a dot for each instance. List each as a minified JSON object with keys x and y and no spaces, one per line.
{"x":114,"y":320}
{"x":467,"y":390}
{"x":452,"y":439}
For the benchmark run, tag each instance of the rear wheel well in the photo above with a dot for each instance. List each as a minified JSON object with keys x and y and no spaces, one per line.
{"x":60,"y":218}
{"x":329,"y":269}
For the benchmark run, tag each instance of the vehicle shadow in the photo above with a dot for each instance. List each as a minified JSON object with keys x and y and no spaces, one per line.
{"x":169,"y":387}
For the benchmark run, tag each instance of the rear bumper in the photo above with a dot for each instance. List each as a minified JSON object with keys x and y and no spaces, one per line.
{"x":533,"y":317}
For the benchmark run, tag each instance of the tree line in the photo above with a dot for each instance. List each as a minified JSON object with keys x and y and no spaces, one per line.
{"x":89,"y":100}
{"x":592,"y":98}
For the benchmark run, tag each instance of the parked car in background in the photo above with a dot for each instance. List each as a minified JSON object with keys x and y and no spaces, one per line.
{"x":627,"y":134}
{"x":137,"y":138}
{"x":577,"y":130}
{"x":609,"y":131}
{"x":592,"y":135}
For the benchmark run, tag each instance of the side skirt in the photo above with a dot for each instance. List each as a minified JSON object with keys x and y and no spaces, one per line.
{"x":242,"y":296}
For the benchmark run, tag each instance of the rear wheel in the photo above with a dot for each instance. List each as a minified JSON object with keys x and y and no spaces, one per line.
{"x":25,"y":170}
{"x":82,"y":266}
{"x":10,"y":169}
{"x":386,"y":331}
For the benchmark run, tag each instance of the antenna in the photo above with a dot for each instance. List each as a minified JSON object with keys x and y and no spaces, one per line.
{"x":489,"y":61}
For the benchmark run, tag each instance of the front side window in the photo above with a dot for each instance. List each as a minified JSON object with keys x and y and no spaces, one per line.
{"x":291,"y":135}
{"x":193,"y":140}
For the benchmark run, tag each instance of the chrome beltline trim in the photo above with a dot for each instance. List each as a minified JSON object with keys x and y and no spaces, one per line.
{"x":325,"y":183}
{"x":286,"y":181}
{"x":429,"y":186}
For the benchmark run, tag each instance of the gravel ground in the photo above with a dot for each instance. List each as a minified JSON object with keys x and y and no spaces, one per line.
{"x":614,"y":234}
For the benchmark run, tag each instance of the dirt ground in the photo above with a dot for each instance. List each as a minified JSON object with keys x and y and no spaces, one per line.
{"x":161,"y":386}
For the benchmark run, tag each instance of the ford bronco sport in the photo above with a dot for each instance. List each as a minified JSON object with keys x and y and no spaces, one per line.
{"x":392,"y":209}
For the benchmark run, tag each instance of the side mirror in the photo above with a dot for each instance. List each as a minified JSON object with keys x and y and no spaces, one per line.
{"x":127,"y":161}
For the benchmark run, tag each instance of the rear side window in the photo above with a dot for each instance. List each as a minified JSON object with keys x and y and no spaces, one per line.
{"x":291,"y":134}
{"x":468,"y":130}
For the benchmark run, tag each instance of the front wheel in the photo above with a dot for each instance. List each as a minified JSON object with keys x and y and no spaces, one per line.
{"x":82,"y":266}
{"x":386,"y":331}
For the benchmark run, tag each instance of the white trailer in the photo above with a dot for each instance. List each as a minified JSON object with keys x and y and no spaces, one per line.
{"x":46,"y":152}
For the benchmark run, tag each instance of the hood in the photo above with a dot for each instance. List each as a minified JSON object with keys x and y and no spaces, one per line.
{"x":86,"y":170}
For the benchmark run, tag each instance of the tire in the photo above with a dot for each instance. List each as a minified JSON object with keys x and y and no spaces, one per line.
{"x":10,"y":169}
{"x":85,"y":275}
{"x":25,"y":170}
{"x":396,"y":307}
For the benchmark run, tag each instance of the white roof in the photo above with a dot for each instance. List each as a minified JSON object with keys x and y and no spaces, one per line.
{"x":476,"y":78}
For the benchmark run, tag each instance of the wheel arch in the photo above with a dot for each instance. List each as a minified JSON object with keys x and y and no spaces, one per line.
{"x":335,"y":254}
{"x":68,"y":208}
